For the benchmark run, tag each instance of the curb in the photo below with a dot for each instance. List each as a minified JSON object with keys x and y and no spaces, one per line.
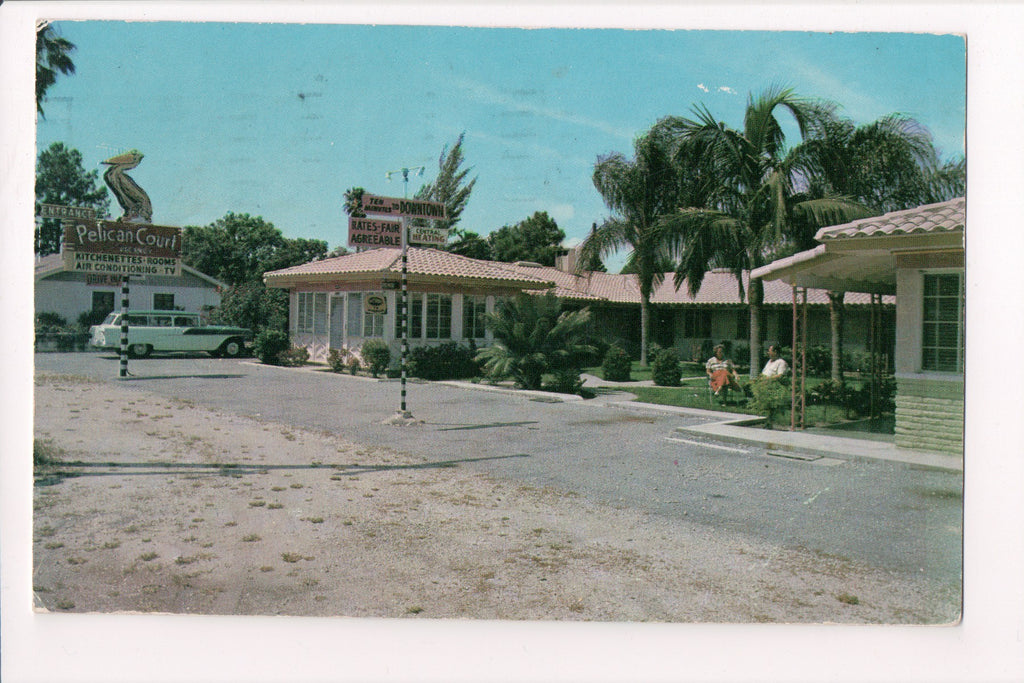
{"x":826,"y":447}
{"x":547,"y":396}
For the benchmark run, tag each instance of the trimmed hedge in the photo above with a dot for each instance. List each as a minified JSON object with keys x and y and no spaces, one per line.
{"x":665,"y":370}
{"x":447,"y":361}
{"x":617,"y":365}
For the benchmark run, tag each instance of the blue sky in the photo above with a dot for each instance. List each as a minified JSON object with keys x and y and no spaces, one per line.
{"x":277,"y":120}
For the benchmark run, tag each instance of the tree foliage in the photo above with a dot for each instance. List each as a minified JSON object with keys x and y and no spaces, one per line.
{"x":254,"y":306}
{"x":749,"y":200}
{"x":533,"y":335}
{"x":638,"y":191}
{"x":240,"y":248}
{"x":61,"y":179}
{"x":537,"y":238}
{"x":53,"y":56}
{"x":450,"y":186}
{"x":471,"y":244}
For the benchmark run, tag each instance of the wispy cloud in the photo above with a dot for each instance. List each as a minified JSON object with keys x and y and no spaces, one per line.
{"x":482,"y":92}
{"x":726,"y":89}
{"x":703,"y":87}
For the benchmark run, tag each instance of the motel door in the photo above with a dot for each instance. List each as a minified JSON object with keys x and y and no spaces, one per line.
{"x":337,"y":326}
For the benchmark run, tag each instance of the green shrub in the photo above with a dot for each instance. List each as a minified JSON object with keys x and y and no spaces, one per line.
{"x":768,"y":396}
{"x":270,"y":344}
{"x":447,"y":361}
{"x":50,"y":322}
{"x":337,"y":359}
{"x":294,"y":357}
{"x":354,"y":364}
{"x":665,"y":369}
{"x":565,"y":381}
{"x":90,"y":318}
{"x":617,"y":365}
{"x":829,"y":392}
{"x":377,"y":355}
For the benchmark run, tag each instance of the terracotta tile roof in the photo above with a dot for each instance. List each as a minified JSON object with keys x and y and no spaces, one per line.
{"x":610,"y":287}
{"x":421,"y":262}
{"x":948,"y":216}
{"x":718,"y":288}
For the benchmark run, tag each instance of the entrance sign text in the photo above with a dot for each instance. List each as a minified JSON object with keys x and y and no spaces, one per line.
{"x":66,"y":212}
{"x":374,"y":232}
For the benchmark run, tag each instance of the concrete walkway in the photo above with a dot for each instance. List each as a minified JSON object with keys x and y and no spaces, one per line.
{"x":733,"y":428}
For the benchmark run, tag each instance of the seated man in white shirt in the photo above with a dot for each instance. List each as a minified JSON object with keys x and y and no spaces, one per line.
{"x":776,"y":366}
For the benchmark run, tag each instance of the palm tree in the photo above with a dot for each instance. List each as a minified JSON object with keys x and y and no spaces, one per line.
{"x":887,"y":165}
{"x":638,"y":191}
{"x":52,"y":56}
{"x":754,"y":202}
{"x":450,"y":186}
{"x":533,"y":335}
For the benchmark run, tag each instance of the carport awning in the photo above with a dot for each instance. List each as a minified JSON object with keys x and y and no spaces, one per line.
{"x":870,"y":271}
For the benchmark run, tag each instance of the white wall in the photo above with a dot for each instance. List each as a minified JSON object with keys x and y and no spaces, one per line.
{"x":68,"y":295}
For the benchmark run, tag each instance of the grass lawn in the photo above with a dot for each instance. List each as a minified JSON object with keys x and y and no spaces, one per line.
{"x":694,"y":394}
{"x":637,"y":373}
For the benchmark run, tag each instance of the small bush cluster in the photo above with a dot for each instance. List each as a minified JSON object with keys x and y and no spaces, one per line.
{"x":377,"y":355}
{"x":52,"y":331}
{"x":273,"y":347}
{"x":293,"y":357}
{"x":665,"y":370}
{"x":565,"y":381}
{"x":617,"y":364}
{"x":447,"y":361}
{"x":768,"y":397}
{"x":855,"y":401}
{"x":337,"y":359}
{"x":270,"y":344}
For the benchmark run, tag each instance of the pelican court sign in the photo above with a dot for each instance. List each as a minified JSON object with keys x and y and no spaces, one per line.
{"x":102,"y":247}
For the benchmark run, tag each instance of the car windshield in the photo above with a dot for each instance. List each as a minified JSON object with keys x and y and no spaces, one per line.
{"x":110,"y":319}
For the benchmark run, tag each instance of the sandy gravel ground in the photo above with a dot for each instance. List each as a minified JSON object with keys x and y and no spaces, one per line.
{"x":165,"y":506}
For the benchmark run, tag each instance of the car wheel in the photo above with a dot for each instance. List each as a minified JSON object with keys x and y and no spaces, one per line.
{"x":232,"y":348}
{"x":139,"y":350}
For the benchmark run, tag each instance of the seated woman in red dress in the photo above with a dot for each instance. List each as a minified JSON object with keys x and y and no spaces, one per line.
{"x":721,"y":373}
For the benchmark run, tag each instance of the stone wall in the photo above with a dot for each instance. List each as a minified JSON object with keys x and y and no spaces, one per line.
{"x":930,"y":415}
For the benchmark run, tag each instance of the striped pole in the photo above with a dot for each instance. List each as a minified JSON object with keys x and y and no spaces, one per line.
{"x":405,"y":304}
{"x":124,"y":328}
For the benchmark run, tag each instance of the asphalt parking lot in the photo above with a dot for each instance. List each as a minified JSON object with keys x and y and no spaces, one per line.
{"x":899,"y":517}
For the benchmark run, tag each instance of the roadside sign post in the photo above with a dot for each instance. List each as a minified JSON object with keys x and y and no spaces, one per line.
{"x":405,"y":209}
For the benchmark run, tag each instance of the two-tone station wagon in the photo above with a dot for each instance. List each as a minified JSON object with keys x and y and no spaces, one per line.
{"x":166,"y":331}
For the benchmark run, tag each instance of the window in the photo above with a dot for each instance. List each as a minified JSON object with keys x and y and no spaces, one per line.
{"x":415,"y":316}
{"x":304,"y":313}
{"x":942,"y":343}
{"x":102,"y":302}
{"x":696,"y":323}
{"x":473,"y":309}
{"x":360,"y":322}
{"x":373,"y":324}
{"x":320,"y":313}
{"x":355,"y":314}
{"x":742,"y":324}
{"x":163,"y":302}
{"x":439,"y":316}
